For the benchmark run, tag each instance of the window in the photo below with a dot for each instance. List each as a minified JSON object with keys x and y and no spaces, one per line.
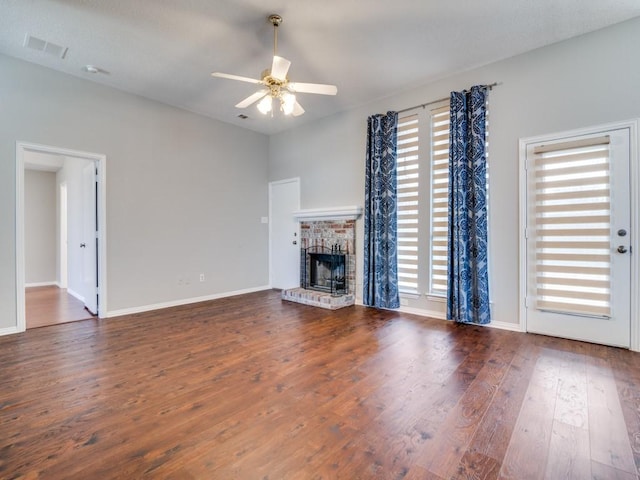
{"x":423,"y":198}
{"x":439,"y":200}
{"x":422,"y":231}
{"x":573,"y":226}
{"x":408,"y":203}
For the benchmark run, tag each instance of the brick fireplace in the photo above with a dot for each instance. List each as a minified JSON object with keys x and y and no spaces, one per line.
{"x":327,"y":258}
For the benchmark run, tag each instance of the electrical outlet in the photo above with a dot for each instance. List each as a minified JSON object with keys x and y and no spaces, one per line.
{"x":202,"y":277}
{"x":404,"y":302}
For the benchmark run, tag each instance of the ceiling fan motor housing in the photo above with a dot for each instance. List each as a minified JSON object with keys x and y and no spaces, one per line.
{"x":275,"y":20}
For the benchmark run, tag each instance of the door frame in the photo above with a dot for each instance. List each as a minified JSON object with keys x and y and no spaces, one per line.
{"x":100,"y":161}
{"x":634,"y":148}
{"x":63,"y":276}
{"x":295,"y":180}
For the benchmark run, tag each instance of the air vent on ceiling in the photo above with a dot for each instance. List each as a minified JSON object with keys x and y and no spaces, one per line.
{"x":49,"y":48}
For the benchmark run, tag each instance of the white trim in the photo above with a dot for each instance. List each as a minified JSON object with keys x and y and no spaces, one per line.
{"x":21,"y":323}
{"x":75,"y":294}
{"x":522,"y":228}
{"x":512,"y":327}
{"x":9,"y":331}
{"x":438,"y":298}
{"x":41,"y":284}
{"x":100,"y":161}
{"x":634,"y":174}
{"x":422,"y":312}
{"x":335,"y":213}
{"x":634,"y":146}
{"x":186,"y":301}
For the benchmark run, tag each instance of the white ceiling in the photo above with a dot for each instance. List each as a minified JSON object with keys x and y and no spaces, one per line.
{"x":166,"y":49}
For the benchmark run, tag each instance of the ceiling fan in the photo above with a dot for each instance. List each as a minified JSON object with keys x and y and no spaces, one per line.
{"x":276,"y":84}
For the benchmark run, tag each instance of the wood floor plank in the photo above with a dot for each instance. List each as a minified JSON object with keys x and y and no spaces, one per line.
{"x":492,"y":436}
{"x":528,"y":449}
{"x":626,"y":369}
{"x":605,"y":472}
{"x":463,"y":421}
{"x":569,"y":456}
{"x":253,"y":387}
{"x":608,"y":434}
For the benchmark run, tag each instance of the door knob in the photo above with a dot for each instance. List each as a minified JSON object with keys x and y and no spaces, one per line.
{"x":83,"y":245}
{"x":622,"y":249}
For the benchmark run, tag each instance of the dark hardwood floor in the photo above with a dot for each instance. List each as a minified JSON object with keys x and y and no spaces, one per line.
{"x":51,"y":305}
{"x":251,"y":387}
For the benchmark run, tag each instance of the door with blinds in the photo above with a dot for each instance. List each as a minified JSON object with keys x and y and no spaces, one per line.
{"x":578,"y":237}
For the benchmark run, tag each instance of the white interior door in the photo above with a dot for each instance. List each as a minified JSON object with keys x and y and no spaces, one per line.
{"x":90,"y":238}
{"x":578,"y":237}
{"x":284,"y":233}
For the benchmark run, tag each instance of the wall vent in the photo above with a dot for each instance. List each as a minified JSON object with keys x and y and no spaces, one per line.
{"x":35,"y":43}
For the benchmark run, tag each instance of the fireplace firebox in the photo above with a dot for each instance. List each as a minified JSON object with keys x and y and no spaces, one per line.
{"x":324,"y":269}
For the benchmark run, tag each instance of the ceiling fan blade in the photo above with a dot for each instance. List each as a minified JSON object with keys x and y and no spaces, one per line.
{"x":252,"y":99}
{"x":320,"y":88}
{"x":297,"y":109}
{"x":235,"y":77}
{"x":280,"y":67}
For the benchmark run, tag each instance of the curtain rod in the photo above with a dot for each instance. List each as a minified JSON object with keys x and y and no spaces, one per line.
{"x":422,"y":105}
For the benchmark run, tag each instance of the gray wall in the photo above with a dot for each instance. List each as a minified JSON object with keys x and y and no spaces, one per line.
{"x":40,"y":240}
{"x":581,"y":82}
{"x":184,"y":193}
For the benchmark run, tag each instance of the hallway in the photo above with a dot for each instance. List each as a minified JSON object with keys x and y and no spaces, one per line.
{"x":51,"y":305}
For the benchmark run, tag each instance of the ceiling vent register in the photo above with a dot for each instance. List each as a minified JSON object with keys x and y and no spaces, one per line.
{"x":35,"y":43}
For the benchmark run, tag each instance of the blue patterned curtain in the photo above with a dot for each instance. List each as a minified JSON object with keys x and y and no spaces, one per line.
{"x":380,"y":213}
{"x":468,"y":279}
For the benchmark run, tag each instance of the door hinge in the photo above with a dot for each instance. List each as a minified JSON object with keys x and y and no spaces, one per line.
{"x":526,"y":302}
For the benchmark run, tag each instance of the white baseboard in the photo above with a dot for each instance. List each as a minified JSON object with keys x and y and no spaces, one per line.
{"x":423,"y":313}
{"x":8,"y":331}
{"x":41,"y":284}
{"x":73,"y":293}
{"x":177,"y":303}
{"x":513,"y":327}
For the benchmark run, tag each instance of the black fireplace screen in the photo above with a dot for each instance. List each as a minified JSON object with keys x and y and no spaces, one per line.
{"x":324,"y":269}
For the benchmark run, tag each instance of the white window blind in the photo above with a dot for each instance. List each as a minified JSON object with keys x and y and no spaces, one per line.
{"x":408,"y":205}
{"x":572,"y":227}
{"x":439,"y":199}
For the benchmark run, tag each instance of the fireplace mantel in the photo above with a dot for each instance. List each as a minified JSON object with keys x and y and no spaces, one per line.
{"x":335,"y":213}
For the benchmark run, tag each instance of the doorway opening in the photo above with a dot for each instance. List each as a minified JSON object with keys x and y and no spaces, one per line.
{"x":60,"y":270}
{"x":284,"y":233}
{"x":578,"y":233}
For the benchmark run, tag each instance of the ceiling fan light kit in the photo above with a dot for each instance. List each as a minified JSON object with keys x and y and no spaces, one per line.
{"x":276,"y":84}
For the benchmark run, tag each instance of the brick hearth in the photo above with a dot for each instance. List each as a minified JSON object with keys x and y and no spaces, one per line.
{"x":326,"y":233}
